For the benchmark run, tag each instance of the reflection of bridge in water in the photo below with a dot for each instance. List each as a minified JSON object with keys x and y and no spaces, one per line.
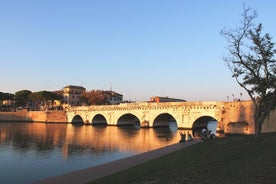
{"x":232,"y":117}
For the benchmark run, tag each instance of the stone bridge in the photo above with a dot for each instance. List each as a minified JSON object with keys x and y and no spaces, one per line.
{"x":229,"y":117}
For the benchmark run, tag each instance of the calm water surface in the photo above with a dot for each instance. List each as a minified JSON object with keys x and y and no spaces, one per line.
{"x":33,"y":151}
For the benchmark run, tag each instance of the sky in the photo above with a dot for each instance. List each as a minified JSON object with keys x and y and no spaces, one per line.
{"x":139,"y":48}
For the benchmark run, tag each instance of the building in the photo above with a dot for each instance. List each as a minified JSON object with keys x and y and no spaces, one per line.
{"x":71,"y":95}
{"x":113,"y":98}
{"x":165,"y":99}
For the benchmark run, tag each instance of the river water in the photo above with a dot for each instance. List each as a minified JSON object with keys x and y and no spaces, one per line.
{"x":33,"y":151}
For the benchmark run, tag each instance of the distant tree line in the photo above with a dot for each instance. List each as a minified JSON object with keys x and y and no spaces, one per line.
{"x":42,"y":100}
{"x":6,"y":96}
{"x":26,"y":99}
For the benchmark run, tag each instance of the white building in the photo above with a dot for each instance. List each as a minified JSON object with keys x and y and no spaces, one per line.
{"x":71,"y":95}
{"x":114,"y":98}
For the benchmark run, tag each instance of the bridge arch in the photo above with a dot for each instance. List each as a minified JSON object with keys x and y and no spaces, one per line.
{"x":128,"y":119}
{"x":99,"y":119}
{"x":77,"y":119}
{"x":164,"y":120}
{"x":207,"y":122}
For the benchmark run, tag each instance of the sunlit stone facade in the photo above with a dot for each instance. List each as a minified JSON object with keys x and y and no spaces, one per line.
{"x":232,"y":117}
{"x":71,"y":95}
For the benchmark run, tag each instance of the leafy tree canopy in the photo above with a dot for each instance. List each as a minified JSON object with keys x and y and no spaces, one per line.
{"x":22,"y":97}
{"x":6,"y":96}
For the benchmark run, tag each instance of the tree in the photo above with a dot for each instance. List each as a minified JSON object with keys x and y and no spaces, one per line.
{"x":9,"y":98}
{"x":35,"y":99}
{"x":94,"y":97}
{"x":252,"y":63}
{"x":22,"y":97}
{"x":6,"y":96}
{"x":47,"y":97}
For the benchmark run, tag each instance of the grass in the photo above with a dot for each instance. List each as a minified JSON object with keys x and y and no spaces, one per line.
{"x":233,"y":159}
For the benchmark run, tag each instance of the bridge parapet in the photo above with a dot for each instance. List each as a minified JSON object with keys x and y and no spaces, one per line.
{"x":148,"y":105}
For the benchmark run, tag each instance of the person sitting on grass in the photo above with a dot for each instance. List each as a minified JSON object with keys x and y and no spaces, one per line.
{"x":203,"y":134}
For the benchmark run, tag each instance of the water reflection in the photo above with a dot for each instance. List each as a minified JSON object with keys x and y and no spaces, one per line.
{"x":32,"y":151}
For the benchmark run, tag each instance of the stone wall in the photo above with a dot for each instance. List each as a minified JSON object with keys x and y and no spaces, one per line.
{"x":14,"y":116}
{"x":237,"y":117}
{"x":269,"y":124}
{"x":56,"y":116}
{"x":34,"y":116}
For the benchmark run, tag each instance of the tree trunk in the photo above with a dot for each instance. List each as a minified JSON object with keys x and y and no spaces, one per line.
{"x":258,"y":118}
{"x":258,"y":129}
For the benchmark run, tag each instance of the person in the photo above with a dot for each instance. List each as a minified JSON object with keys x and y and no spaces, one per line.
{"x":203,"y":134}
{"x":211,"y":135}
{"x":189,"y":136}
{"x":183,"y":136}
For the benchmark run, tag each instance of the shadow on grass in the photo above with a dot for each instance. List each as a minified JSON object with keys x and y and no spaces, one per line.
{"x":233,"y":159}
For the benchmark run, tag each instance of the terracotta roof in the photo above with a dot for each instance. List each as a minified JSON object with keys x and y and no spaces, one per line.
{"x":72,"y":86}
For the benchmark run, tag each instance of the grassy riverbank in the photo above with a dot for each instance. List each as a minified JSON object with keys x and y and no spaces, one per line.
{"x":233,"y":159}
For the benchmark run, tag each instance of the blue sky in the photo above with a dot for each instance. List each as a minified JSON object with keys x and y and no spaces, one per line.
{"x":140,"y":48}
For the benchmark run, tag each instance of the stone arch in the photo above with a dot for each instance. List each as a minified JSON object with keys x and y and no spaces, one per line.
{"x":99,"y":119}
{"x":77,"y":119}
{"x":204,"y":122}
{"x":128,"y":119}
{"x":164,"y":120}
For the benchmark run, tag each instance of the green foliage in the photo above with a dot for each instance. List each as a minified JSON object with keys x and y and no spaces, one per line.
{"x":26,"y":98}
{"x":6,"y":96}
{"x":43,"y":97}
{"x":22,"y":97}
{"x":47,"y":95}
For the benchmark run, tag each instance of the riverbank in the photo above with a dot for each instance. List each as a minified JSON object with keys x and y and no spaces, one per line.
{"x":233,"y":159}
{"x":93,"y":173}
{"x":34,"y":116}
